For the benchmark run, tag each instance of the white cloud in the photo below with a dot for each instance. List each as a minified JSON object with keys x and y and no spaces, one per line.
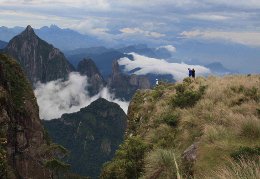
{"x":146,"y":65}
{"x":89,"y":25}
{"x":252,"y":4}
{"x":138,"y":31}
{"x":170,"y":48}
{"x":58,"y":97}
{"x":97,"y":4}
{"x":245,"y":38}
{"x":209,"y":17}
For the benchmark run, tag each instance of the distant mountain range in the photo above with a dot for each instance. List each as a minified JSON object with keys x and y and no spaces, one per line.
{"x":65,"y":39}
{"x":218,"y":69}
{"x":2,"y":44}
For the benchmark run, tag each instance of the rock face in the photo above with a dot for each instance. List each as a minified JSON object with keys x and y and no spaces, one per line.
{"x":92,"y":135}
{"x":123,"y":85}
{"x":40,"y":60}
{"x":95,"y":80}
{"x":21,"y":132}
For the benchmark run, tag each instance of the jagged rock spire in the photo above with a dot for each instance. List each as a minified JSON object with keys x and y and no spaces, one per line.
{"x":28,"y":32}
{"x":39,"y":59}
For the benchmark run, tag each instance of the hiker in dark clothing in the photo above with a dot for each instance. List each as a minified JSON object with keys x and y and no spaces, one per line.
{"x":190,"y":72}
{"x":193,"y":73}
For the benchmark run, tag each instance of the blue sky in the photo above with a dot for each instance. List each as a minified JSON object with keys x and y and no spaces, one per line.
{"x":155,"y":22}
{"x":158,"y":21}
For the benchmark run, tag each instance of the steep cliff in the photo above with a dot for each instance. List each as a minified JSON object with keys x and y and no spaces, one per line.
{"x":21,"y":133}
{"x":95,"y":80}
{"x":39,"y":60}
{"x":124,"y":86}
{"x":92,"y":135}
{"x":203,"y":128}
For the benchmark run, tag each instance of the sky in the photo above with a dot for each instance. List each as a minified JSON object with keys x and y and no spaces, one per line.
{"x":227,"y":31}
{"x":155,"y":20}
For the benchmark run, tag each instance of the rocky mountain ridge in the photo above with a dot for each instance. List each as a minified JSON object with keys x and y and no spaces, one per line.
{"x":92,"y":135}
{"x":40,"y":60}
{"x":21,"y":132}
{"x":124,"y":86}
{"x":88,"y":68}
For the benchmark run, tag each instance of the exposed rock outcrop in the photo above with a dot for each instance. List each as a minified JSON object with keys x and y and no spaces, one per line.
{"x":39,"y":60}
{"x":124,"y":86}
{"x":21,"y":132}
{"x":95,"y":80}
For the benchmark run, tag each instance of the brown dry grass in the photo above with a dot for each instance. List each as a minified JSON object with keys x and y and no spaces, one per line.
{"x":224,"y":119}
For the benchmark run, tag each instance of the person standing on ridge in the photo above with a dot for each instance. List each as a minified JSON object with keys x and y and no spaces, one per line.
{"x":157,"y":82}
{"x":193,"y":73}
{"x":190,"y":72}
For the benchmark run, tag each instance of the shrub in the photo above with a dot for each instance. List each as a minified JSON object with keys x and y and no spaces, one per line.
{"x":246,"y":153}
{"x":238,"y":89}
{"x":252,"y":93}
{"x":186,"y":97}
{"x":57,"y":167}
{"x":180,"y":88}
{"x":251,"y":129}
{"x":171,"y":119}
{"x":129,"y":160}
{"x":157,"y":94}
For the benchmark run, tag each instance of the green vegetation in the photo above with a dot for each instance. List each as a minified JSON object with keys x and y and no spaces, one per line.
{"x":251,"y":128}
{"x":20,"y":88}
{"x":92,"y":136}
{"x":246,"y":152}
{"x":171,"y":119}
{"x":56,"y":166}
{"x":186,"y":97}
{"x":20,"y":123}
{"x":129,"y":160}
{"x":202,"y":128}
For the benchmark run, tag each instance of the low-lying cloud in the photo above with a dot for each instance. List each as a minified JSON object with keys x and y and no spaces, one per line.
{"x":145,"y":65}
{"x":170,"y":48}
{"x":58,"y":97}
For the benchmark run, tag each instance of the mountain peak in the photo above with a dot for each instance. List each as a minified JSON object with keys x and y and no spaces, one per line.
{"x":89,"y":68}
{"x":40,"y":60}
{"x":53,"y":26}
{"x":28,"y":31}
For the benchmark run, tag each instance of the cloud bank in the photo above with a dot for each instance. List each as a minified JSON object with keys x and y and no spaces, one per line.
{"x":245,"y":38}
{"x":136,"y":30}
{"x":146,"y":65}
{"x":58,"y":97}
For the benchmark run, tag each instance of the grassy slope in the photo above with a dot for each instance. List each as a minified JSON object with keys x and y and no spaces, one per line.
{"x":220,"y":115}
